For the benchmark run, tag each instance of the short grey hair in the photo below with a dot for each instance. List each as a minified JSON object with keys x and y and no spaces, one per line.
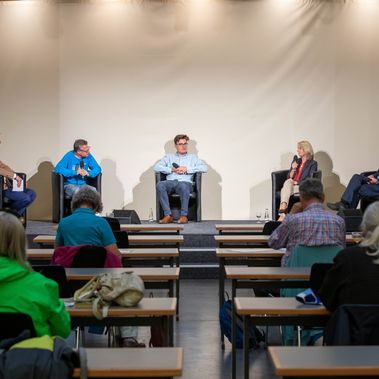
{"x":311,"y":188}
{"x":370,"y":228}
{"x":12,"y":238}
{"x":79,"y":143}
{"x":87,"y":195}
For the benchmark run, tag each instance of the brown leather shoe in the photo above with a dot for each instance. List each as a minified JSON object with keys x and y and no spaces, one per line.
{"x":166,"y":219}
{"x":131,"y":342}
{"x":183,"y":220}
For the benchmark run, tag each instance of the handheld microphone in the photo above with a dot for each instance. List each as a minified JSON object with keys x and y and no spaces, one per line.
{"x":81,"y":165}
{"x":295,"y":159}
{"x":175,"y":165}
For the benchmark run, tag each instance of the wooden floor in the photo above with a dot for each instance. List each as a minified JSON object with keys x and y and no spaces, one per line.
{"x":198,"y":333}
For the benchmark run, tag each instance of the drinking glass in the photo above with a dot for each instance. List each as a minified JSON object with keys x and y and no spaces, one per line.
{"x":258,"y":215}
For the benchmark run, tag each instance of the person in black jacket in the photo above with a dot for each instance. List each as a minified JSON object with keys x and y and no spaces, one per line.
{"x":359,"y":186}
{"x":354,"y":276}
{"x":303,"y":166}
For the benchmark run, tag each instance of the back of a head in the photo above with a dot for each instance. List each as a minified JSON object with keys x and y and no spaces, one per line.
{"x":12,"y":237}
{"x":87,"y":196}
{"x":311,"y":189}
{"x":370,"y":226}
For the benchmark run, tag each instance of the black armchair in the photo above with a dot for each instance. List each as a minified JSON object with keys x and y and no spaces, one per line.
{"x":194,"y":206}
{"x":277,"y":180}
{"x":4,"y":202}
{"x":62,"y":206}
{"x":366,"y":201}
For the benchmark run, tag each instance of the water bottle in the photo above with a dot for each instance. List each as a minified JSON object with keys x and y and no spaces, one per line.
{"x":267,"y":216}
{"x":151,"y":215}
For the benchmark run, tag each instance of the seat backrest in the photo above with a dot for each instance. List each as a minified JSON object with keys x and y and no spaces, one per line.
{"x":318,"y":272}
{"x":195,"y":215}
{"x":270,"y":226}
{"x":122,"y":239}
{"x":58,"y":198}
{"x":114,"y":223}
{"x":12,"y":324}
{"x":90,"y":256}
{"x":277,"y":180}
{"x":58,"y":274}
{"x":354,"y":324}
{"x":306,"y":256}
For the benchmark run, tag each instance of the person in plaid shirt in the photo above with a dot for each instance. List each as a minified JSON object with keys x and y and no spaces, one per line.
{"x":312,"y":226}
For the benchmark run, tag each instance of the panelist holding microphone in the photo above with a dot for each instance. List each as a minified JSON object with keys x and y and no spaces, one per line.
{"x":179,"y":168}
{"x":303,"y":166}
{"x":76,"y":166}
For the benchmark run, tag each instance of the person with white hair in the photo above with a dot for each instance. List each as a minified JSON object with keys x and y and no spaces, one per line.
{"x":354,"y":276}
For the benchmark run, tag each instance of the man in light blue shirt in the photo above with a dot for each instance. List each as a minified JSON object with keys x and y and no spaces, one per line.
{"x":76,"y":166}
{"x":179,"y":168}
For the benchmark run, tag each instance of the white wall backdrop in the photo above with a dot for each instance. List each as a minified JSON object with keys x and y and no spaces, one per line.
{"x":245,"y":80}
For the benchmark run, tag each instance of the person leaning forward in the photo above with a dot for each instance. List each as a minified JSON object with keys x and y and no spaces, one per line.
{"x":179,"y":168}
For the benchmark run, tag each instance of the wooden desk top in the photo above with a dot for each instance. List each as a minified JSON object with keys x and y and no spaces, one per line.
{"x":135,"y":238}
{"x":146,"y":273}
{"x":159,"y":238}
{"x":342,"y":361}
{"x":152,"y":227}
{"x":248,"y":253}
{"x":126,"y":253}
{"x":162,"y":306}
{"x":267,"y":273}
{"x":242,"y":227}
{"x":260,"y":238}
{"x":277,"y":306}
{"x":133,"y":362}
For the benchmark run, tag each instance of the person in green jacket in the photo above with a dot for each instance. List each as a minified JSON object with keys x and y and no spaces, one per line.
{"x":22,"y":289}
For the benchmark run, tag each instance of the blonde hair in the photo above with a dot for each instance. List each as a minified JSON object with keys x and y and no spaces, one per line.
{"x":307,"y":147}
{"x":370,"y":229}
{"x":12,"y":238}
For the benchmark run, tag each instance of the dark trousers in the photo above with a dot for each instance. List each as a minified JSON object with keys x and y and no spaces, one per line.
{"x":19,"y":201}
{"x":358,"y":188}
{"x":183,"y":189}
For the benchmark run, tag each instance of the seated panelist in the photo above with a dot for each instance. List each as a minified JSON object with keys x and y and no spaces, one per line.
{"x":76,"y":166}
{"x":179,"y":168}
{"x":302,"y":167}
{"x":19,"y":196}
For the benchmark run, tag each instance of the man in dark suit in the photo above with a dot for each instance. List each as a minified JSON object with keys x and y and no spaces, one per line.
{"x":359,"y":186}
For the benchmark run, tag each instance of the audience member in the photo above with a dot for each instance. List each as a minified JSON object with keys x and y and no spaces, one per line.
{"x":312,"y":226}
{"x":354,"y":276}
{"x":25,"y":291}
{"x":303,"y":166}
{"x":83,"y":227}
{"x":359,"y":186}
{"x":179,"y":168}
{"x":76,"y":166}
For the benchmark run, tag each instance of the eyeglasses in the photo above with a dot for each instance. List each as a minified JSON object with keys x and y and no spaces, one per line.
{"x":182,"y":144}
{"x":85,"y":150}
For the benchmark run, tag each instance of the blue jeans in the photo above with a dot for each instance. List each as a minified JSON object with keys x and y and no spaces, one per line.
{"x":358,"y":188}
{"x":166,"y":187}
{"x":71,"y":189}
{"x":19,"y":201}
